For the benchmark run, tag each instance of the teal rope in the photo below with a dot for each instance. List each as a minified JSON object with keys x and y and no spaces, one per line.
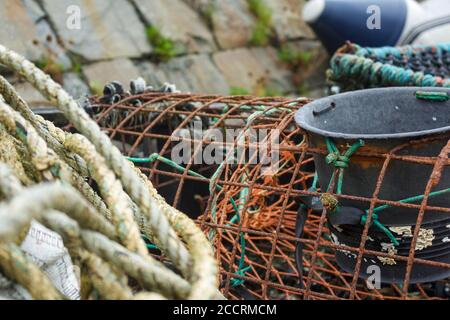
{"x":148,"y":244}
{"x":156,"y":156}
{"x":346,"y":67}
{"x":340,"y":161}
{"x":413,"y":199}
{"x":408,"y":51}
{"x":380,"y":226}
{"x":315,"y":181}
{"x":432,"y":96}
{"x":407,"y":200}
{"x":241,"y":269}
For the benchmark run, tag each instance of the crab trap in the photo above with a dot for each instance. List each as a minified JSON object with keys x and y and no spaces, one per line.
{"x":354,"y":67}
{"x":342,"y":198}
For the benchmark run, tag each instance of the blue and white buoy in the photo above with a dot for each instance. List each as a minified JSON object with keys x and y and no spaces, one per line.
{"x":376,"y":23}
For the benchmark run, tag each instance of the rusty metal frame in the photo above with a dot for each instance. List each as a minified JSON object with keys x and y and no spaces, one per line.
{"x":271,"y":239}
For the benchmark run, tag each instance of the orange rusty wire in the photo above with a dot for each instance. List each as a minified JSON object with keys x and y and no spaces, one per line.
{"x":269,"y":211}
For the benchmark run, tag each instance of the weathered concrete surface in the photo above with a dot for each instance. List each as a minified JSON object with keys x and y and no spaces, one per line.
{"x":287,"y":19}
{"x":109,"y":29}
{"x":100,"y":73}
{"x":74,"y":85}
{"x":256,"y":70}
{"x":232,"y":24}
{"x":200,"y":5}
{"x":18,"y":31}
{"x":213,"y":36}
{"x":194,"y":73}
{"x":33,"y":97}
{"x":311,"y":76}
{"x":178,"y":22}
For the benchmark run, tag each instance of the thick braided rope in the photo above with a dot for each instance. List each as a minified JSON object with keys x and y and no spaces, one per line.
{"x":152,"y":276}
{"x":165,"y":237}
{"x":107,"y":287}
{"x":9,"y":183}
{"x":150,"y":273}
{"x":120,"y":166}
{"x":16,"y":155}
{"x":98,"y":245}
{"x":12,"y":260}
{"x":41,"y":157}
{"x":148,"y":296}
{"x":15,"y":263}
{"x":35,"y":201}
{"x":17,"y":266}
{"x":368,"y":71}
{"x":408,"y":50}
{"x":104,"y":279}
{"x":111,"y":190}
{"x":53,"y":136}
{"x":208,"y":270}
{"x":120,"y":206}
{"x":45,"y":159}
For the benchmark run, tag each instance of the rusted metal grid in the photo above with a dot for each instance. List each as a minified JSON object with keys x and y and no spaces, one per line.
{"x":142,"y":125}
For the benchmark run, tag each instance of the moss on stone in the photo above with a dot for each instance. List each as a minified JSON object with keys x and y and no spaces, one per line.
{"x":294,"y":57}
{"x":263,"y":27}
{"x":163,"y":48}
{"x":239,"y":91}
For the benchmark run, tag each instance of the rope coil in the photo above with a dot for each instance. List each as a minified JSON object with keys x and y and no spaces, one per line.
{"x":355,"y":67}
{"x":102,"y":231}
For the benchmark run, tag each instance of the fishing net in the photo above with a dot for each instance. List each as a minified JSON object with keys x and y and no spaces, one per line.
{"x":355,"y":67}
{"x":265,"y":212}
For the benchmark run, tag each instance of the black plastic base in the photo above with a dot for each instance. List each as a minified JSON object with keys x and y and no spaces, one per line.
{"x":421,"y":273}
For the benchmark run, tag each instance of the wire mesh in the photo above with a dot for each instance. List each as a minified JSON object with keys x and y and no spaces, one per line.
{"x":249,"y":211}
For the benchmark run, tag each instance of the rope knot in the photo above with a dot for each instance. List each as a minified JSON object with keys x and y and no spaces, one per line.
{"x":373,"y":220}
{"x":380,"y":226}
{"x":338,"y":160}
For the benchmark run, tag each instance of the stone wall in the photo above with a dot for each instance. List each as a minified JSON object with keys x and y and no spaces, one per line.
{"x":259,"y":47}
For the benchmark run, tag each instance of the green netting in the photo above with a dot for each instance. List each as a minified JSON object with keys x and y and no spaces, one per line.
{"x":354,"y":67}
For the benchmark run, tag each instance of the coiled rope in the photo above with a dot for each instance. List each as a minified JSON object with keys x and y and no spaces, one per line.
{"x":46,"y":181}
{"x":365,"y":66}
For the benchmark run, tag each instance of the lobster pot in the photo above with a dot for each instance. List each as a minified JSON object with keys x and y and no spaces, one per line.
{"x":355,"y":67}
{"x":383,"y":153}
{"x":269,"y":232}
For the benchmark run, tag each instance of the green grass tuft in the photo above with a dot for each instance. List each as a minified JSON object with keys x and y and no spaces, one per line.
{"x":208,"y":13}
{"x":272,"y":92}
{"x":263,"y":27}
{"x":239,"y":91}
{"x":163,"y":47}
{"x":295,"y":58}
